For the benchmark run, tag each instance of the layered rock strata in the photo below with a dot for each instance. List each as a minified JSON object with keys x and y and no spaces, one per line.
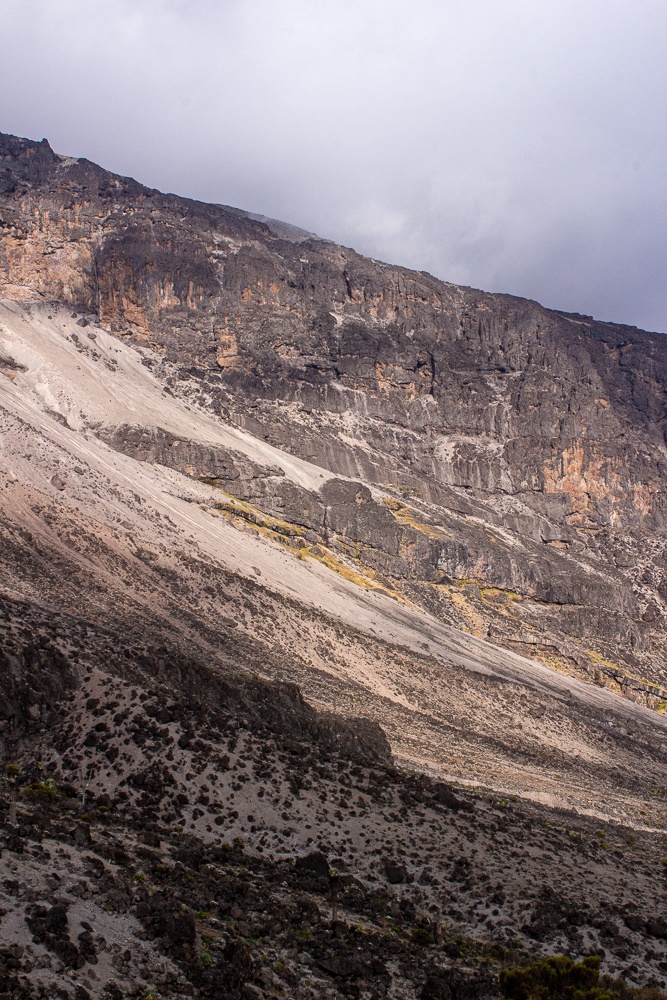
{"x":521,"y":450}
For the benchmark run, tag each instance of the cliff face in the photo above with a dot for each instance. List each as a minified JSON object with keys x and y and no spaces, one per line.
{"x":499,"y":464}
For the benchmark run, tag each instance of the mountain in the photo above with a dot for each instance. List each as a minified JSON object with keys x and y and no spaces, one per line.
{"x":310,"y":562}
{"x":515,"y":455}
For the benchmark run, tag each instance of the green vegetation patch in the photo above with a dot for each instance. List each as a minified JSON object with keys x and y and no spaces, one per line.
{"x":561,"y":978}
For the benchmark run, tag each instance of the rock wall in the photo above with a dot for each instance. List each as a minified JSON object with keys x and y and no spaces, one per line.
{"x":521,"y":449}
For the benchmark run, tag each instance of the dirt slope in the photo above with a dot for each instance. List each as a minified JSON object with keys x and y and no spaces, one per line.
{"x":136,"y":535}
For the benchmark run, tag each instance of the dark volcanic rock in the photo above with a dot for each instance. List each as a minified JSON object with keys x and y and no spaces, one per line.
{"x":458,"y":984}
{"x":35,"y":680}
{"x":167,"y":919}
{"x":50,"y":927}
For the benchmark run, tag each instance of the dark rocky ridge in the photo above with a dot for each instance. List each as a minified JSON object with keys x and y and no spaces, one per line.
{"x":525,"y":448}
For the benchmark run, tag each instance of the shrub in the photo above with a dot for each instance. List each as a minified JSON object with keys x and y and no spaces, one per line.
{"x":421,"y":936}
{"x":44,"y":791}
{"x":552,"y":977}
{"x":561,"y":978}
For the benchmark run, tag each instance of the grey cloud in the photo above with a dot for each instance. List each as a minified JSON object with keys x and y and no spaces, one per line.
{"x":517,"y":147}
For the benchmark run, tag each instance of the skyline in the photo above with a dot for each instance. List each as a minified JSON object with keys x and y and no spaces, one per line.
{"x":518,"y":150}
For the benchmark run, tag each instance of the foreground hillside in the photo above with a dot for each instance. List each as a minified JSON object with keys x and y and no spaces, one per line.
{"x":199,"y":832}
{"x":288,"y":556}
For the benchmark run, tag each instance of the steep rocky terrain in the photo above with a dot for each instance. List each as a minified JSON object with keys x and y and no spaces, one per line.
{"x":324,"y":586}
{"x":520,"y":452}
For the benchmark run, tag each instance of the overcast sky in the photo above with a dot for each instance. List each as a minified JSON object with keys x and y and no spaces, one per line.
{"x":512,"y":145}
